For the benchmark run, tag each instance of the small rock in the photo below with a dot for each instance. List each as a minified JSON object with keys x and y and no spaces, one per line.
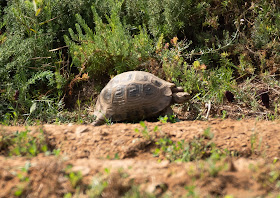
{"x":243,"y":164}
{"x":118,"y":142}
{"x":62,"y":179}
{"x":164,"y":163}
{"x":227,"y":137}
{"x":7,"y":176}
{"x":244,"y":145}
{"x":104,"y":133}
{"x":72,"y":138}
{"x":157,"y":188}
{"x":83,"y":169}
{"x":67,"y":131}
{"x":81,"y":129}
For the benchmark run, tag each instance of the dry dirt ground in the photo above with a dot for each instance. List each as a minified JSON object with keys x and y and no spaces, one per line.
{"x":116,"y":160}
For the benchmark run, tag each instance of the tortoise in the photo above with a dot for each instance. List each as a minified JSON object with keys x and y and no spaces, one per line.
{"x":136,"y":95}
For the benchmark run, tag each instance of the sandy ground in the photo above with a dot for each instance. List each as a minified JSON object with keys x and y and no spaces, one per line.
{"x":125,"y":158}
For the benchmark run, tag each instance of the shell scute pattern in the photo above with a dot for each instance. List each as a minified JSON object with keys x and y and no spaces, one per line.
{"x":118,"y":95}
{"x":149,"y":90}
{"x":133,"y":90}
{"x":107,"y":95}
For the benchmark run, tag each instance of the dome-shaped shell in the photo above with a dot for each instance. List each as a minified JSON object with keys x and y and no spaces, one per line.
{"x":133,"y":95}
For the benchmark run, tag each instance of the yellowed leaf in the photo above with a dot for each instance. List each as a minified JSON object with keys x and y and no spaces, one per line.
{"x":38,"y":12}
{"x":196,"y":64}
{"x":33,"y":30}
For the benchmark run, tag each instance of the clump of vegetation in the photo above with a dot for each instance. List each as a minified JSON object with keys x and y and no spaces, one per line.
{"x":146,"y":133}
{"x":109,"y":48}
{"x":268,"y":176}
{"x":24,"y":180}
{"x":23,"y":144}
{"x":104,"y":184}
{"x":32,"y":68}
{"x":196,"y":149}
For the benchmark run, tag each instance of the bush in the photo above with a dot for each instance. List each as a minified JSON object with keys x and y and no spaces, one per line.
{"x":109,"y":48}
{"x":210,"y":84}
{"x":23,"y":144}
{"x":168,"y":17}
{"x":30,"y":66}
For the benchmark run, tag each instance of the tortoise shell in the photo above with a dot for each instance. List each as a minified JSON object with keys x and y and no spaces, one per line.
{"x":133,"y":95}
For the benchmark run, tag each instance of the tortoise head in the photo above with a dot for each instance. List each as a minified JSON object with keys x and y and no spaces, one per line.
{"x":181,"y":97}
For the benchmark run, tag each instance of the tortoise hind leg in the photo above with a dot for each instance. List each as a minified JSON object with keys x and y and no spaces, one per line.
{"x":99,"y":120}
{"x":168,"y":111}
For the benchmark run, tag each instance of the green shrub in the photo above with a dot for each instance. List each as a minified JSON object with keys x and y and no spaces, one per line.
{"x":30,"y":66}
{"x":196,"y":149}
{"x":211,"y":84}
{"x":266,"y":24}
{"x":109,"y":48}
{"x":168,"y":17}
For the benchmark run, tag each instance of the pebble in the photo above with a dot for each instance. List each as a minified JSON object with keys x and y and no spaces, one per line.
{"x":227,"y":137}
{"x":244,"y":145}
{"x":81,"y":129}
{"x":83,"y":169}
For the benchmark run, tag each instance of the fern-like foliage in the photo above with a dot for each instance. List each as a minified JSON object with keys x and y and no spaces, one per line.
{"x":29,"y":69}
{"x":109,"y":48}
{"x":168,"y":17}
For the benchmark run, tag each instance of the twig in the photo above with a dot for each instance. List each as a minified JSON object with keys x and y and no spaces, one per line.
{"x":209,"y":108}
{"x":211,"y":50}
{"x":49,"y":20}
{"x":52,"y":50}
{"x":40,"y":58}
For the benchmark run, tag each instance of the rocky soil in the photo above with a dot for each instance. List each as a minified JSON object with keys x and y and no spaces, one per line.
{"x":116,"y":161}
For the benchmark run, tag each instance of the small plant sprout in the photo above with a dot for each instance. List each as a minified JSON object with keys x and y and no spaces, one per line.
{"x":75,"y":178}
{"x":208,"y":134}
{"x":191,"y":191}
{"x":224,"y":116}
{"x":108,"y":121}
{"x":79,"y":109}
{"x":24,"y":143}
{"x":97,"y":187}
{"x":145,"y":132}
{"x":172,"y":118}
{"x":163,"y":119}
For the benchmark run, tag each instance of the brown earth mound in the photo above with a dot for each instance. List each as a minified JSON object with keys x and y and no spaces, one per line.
{"x":116,"y":161}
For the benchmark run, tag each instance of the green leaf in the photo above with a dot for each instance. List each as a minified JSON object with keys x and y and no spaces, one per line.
{"x":33,"y":107}
{"x":143,"y":124}
{"x":68,"y":195}
{"x":18,"y":192}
